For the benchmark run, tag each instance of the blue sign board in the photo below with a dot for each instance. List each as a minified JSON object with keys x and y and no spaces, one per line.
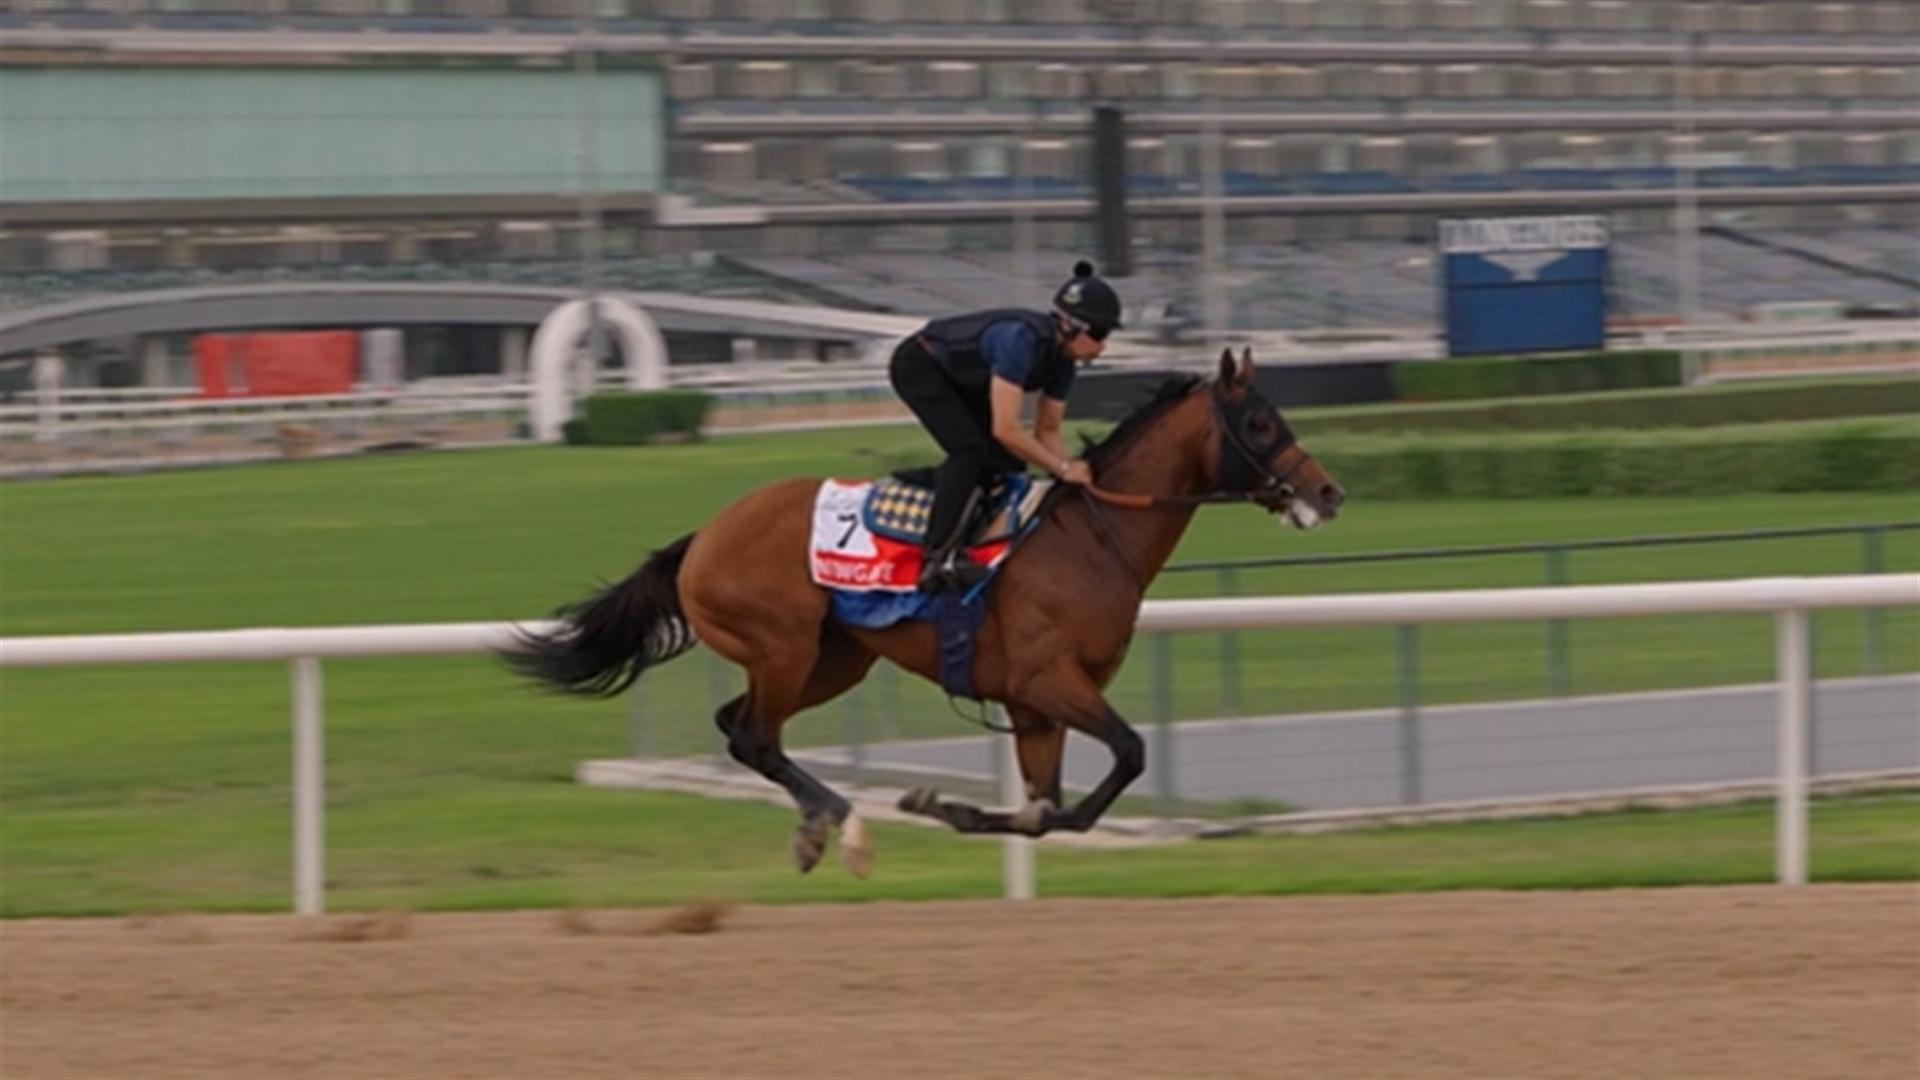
{"x":1533,"y":284}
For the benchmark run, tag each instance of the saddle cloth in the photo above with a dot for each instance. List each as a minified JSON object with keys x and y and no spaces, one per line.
{"x":865,"y":549}
{"x":867,"y":535}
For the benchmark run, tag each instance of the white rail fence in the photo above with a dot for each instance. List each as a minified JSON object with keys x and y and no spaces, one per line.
{"x":1716,"y":352}
{"x":1789,"y":600}
{"x":78,"y":413}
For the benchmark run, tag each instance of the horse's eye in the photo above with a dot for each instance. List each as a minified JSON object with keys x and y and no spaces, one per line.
{"x":1260,"y":425}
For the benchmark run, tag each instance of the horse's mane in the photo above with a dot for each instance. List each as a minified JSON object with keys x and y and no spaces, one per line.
{"x":1164,"y":396}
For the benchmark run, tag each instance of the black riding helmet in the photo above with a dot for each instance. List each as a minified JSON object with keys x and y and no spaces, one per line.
{"x":1089,"y":302}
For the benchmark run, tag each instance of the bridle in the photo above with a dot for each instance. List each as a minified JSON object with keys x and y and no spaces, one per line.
{"x":1245,"y":475}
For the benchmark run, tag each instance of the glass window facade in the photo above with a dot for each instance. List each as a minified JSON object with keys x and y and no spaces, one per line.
{"x":207,"y":133}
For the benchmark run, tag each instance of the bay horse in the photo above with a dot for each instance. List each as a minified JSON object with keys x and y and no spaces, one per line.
{"x":1059,"y":616}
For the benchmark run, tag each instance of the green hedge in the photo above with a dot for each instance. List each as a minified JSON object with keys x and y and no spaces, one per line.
{"x":1872,"y":455}
{"x":1507,"y":376}
{"x":1703,"y":407}
{"x":628,"y":419}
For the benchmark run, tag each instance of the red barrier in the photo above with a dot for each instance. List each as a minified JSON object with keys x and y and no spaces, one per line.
{"x":278,"y":364}
{"x":216,"y":362}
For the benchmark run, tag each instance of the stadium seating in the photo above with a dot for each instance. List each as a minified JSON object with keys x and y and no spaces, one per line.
{"x":1369,"y":182}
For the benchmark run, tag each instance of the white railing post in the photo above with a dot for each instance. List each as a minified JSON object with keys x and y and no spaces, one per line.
{"x":309,"y":790}
{"x":1016,"y":851}
{"x":1793,"y":665}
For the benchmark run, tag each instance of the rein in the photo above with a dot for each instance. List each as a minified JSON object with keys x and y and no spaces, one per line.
{"x":1128,"y":501}
{"x":1269,"y":483}
{"x":1107,"y":533}
{"x":1266,"y":484}
{"x":1094,"y":496}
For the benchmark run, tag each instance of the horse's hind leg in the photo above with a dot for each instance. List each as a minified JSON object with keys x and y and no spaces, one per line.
{"x":778,"y":687}
{"x":842,"y":664}
{"x":753,"y":738}
{"x":747,"y":595}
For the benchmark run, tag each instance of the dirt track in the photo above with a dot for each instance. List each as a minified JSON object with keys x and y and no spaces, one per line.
{"x":1736,"y":982}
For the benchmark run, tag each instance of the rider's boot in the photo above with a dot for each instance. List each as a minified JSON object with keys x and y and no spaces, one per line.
{"x":945,"y":564}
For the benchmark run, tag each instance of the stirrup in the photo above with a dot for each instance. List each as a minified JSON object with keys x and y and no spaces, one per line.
{"x":933,"y":576}
{"x":949,"y":570}
{"x":962,"y":573}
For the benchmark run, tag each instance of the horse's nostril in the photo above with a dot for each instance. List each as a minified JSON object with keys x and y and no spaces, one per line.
{"x":1332,"y":496}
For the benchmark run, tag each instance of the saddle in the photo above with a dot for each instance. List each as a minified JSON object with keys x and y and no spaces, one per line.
{"x":899,"y":507}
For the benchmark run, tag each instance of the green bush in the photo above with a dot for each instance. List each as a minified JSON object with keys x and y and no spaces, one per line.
{"x":629,"y":419}
{"x":1873,"y":455}
{"x":1508,"y":376}
{"x":1668,"y":408}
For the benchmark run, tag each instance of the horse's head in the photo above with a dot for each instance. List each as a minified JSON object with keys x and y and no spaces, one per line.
{"x":1259,"y":455}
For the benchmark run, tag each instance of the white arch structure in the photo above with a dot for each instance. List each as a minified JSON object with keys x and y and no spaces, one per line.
{"x":551,"y":356}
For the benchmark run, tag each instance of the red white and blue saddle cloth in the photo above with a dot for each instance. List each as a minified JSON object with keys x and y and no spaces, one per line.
{"x":867,"y":537}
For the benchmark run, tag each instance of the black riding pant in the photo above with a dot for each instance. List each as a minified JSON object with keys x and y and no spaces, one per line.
{"x":959,"y":416}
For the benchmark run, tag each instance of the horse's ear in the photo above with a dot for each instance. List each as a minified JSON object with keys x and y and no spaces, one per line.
{"x":1246,"y":365}
{"x":1227,"y":370}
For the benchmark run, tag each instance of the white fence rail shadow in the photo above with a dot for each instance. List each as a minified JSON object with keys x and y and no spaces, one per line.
{"x":1788,"y":599}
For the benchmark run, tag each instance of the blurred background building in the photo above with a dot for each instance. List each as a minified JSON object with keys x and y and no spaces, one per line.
{"x":917,"y":156}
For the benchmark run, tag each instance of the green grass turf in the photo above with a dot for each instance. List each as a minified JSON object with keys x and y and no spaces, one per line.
{"x":530,"y":844}
{"x":127,"y":788}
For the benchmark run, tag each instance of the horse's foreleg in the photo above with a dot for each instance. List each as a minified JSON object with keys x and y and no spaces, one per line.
{"x":1066,"y":695}
{"x":1039,"y":743}
{"x":963,"y":816}
{"x":1129,"y":761}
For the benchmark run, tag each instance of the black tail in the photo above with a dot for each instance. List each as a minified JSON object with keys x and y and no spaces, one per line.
{"x":609,"y":640}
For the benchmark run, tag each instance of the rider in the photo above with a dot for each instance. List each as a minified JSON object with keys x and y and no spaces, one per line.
{"x":965,"y":378}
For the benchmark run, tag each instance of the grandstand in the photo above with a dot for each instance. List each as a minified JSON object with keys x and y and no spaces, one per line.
{"x":892,"y":155}
{"x":1383,"y":283}
{"x":1307,"y":284}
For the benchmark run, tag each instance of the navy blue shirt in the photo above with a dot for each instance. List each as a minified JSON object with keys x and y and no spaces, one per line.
{"x":1009,"y":343}
{"x":1010,"y":348}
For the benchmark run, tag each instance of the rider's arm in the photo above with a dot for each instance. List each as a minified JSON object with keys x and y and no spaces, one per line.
{"x":1008,"y":349}
{"x":1047,"y":416}
{"x":1010,"y":433}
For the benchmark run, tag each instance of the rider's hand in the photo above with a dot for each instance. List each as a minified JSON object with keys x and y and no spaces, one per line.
{"x":1077,"y":472}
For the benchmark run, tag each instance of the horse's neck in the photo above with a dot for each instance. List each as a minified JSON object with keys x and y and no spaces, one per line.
{"x":1158,"y":466}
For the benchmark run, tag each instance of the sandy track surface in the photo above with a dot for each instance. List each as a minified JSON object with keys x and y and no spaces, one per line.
{"x":1733,"y":982}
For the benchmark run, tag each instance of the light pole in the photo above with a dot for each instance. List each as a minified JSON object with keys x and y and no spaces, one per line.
{"x":1213,"y":226}
{"x":587,"y":87}
{"x":1686,"y":207}
{"x":1023,"y":240}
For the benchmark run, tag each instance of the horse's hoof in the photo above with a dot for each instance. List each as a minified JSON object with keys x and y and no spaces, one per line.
{"x":1032,"y":818}
{"x":919,"y":801}
{"x":809,"y":843}
{"x":856,"y":854}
